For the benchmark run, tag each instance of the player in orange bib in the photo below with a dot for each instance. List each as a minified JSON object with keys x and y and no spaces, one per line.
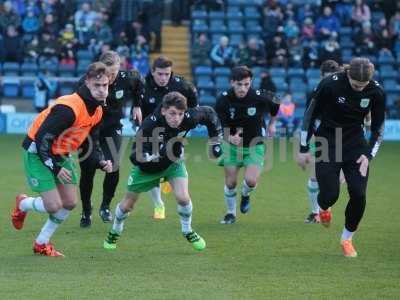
{"x":53,"y":136}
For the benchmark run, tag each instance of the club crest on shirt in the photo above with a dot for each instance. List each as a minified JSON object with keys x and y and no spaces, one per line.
{"x":119,"y":94}
{"x":364,"y":102}
{"x":251,"y":111}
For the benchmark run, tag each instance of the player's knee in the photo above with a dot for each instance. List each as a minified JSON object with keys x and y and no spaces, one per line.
{"x":53,"y":207}
{"x":358,"y":195}
{"x":231,"y":183}
{"x":251,"y":182}
{"x":183,"y":199}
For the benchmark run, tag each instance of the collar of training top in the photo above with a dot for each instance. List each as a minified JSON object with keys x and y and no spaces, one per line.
{"x":90,"y":101}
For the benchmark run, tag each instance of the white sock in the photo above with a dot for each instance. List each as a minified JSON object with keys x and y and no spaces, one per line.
{"x":246,"y":190}
{"x":51,"y":225}
{"x":185,"y":213}
{"x":313,"y":190}
{"x":32,"y":203}
{"x":155,"y":194}
{"x":230,"y":200}
{"x":120,"y":216}
{"x":347,"y":235}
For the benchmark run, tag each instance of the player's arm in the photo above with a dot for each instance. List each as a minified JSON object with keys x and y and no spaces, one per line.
{"x":272,"y":103}
{"x":190,"y":92}
{"x":96,"y":157}
{"x":146,"y":148}
{"x":206,"y":115}
{"x":311,"y":114}
{"x":136,"y":88}
{"x":377,"y":123}
{"x":60,"y":119}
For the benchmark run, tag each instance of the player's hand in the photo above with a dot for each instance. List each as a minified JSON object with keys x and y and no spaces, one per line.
{"x":303,"y":159}
{"x":137,"y":115}
{"x":271,"y":130}
{"x":363,"y":161}
{"x":236,"y":139}
{"x":64,"y":175}
{"x":106,"y":165}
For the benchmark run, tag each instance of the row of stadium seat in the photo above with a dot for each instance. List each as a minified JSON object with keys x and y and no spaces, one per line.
{"x":32,"y":69}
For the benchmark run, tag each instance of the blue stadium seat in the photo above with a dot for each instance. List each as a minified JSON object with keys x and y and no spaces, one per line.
{"x":11,"y":69}
{"x":299,"y":98}
{"x":258,"y":70}
{"x":81,"y":68}
{"x":280,"y":83}
{"x":251,"y":13}
{"x":29,"y":69}
{"x":28,"y":88}
{"x":279,"y":72}
{"x":207,"y":100}
{"x":386,"y":59}
{"x":222,"y":83}
{"x":387,"y":73}
{"x":299,"y":112}
{"x":236,"y":39}
{"x":297,"y":85}
{"x":312,"y":73}
{"x":234,"y":2}
{"x":203,"y":78}
{"x":295,"y":73}
{"x":234,"y":14}
{"x":313,"y":83}
{"x":222,"y":71}
{"x":391,"y":86}
{"x":253,"y":27}
{"x":84,"y":55}
{"x":203,"y":70}
{"x":217,"y":26}
{"x":199,"y":14}
{"x":391,"y":98}
{"x":11,"y":87}
{"x":67,"y":88}
{"x":344,"y":30}
{"x":199,"y":26}
{"x":346,"y":42}
{"x":67,"y":70}
{"x":235,"y":26}
{"x":215,"y":37}
{"x":216,"y":15}
{"x":205,"y":84}
{"x":51,"y":68}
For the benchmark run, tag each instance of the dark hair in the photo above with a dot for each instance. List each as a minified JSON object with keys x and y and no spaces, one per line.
{"x":241,"y":72}
{"x":96,"y":70}
{"x":361,"y":69}
{"x":161,"y":62}
{"x":175,"y":99}
{"x":329,"y":66}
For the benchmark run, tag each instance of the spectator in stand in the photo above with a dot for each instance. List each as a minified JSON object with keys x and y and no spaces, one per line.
{"x":44,"y":91}
{"x":327,"y":24}
{"x":48,"y":55}
{"x":67,"y":55}
{"x":101,"y":30}
{"x":286,"y":115}
{"x":30,"y":25}
{"x":266,"y":83}
{"x":140,"y":55}
{"x":123,"y":13}
{"x":256,"y":53}
{"x":84,"y":20}
{"x":121,"y":44}
{"x":50,"y":25}
{"x":305,"y":12}
{"x":222,"y":54}
{"x":8,"y":16}
{"x":32,"y":5}
{"x":394,"y":25}
{"x":330,"y":50}
{"x":378,"y":28}
{"x":296,"y":53}
{"x":308,"y":30}
{"x":273,"y":18}
{"x":136,"y":28}
{"x":201,"y":51}
{"x":13,"y":45}
{"x":364,"y":41}
{"x":278,"y":51}
{"x":384,"y":42}
{"x":153,"y":11}
{"x":291,"y":30}
{"x":310,"y":54}
{"x":360,"y":13}
{"x":209,"y":4}
{"x":31,"y":51}
{"x":67,"y":35}
{"x":389,"y":8}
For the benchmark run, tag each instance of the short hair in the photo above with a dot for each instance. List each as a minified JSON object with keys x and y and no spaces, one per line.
{"x":329,"y":66}
{"x":174,"y":99}
{"x":161,"y":62}
{"x":96,"y":70}
{"x":241,"y":72}
{"x":110,"y":58}
{"x":361,"y":69}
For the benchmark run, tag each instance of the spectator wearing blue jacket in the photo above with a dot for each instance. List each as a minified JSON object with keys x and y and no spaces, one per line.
{"x":222,"y":54}
{"x":327,"y":24}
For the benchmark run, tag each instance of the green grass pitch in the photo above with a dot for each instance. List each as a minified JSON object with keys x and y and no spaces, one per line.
{"x":268,"y":254}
